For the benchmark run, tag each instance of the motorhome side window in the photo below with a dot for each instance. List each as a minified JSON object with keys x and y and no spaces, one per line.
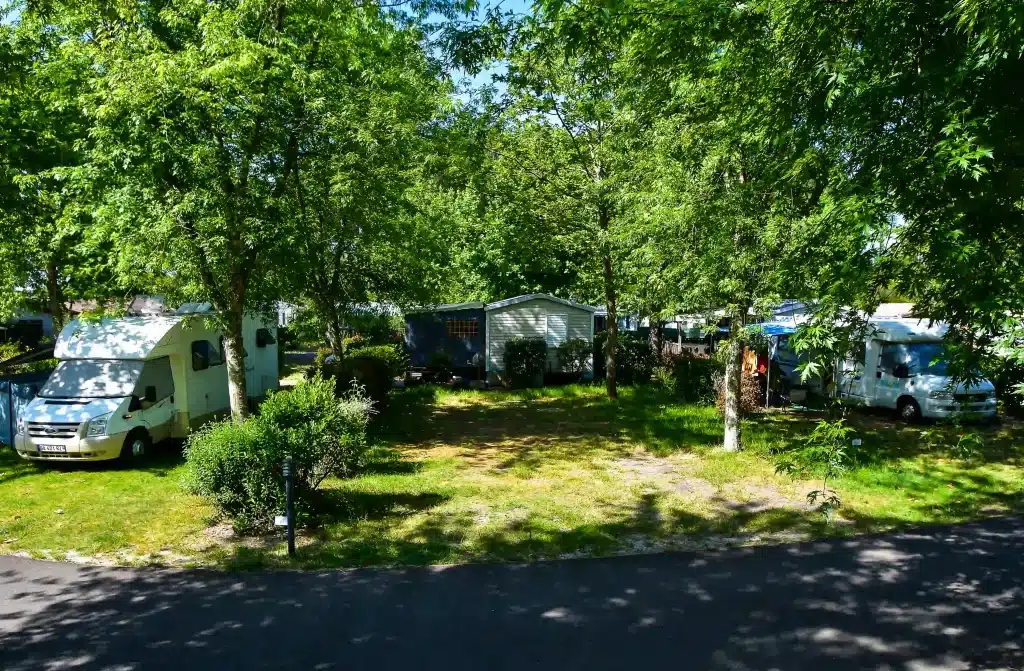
{"x":156,"y":373}
{"x":205,"y":354}
{"x":264,"y":337}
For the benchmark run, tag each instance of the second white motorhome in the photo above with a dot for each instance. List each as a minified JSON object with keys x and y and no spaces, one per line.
{"x":124,"y":384}
{"x":902,"y":366}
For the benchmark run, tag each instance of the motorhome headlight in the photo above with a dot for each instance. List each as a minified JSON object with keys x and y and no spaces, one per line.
{"x":97,"y":426}
{"x":941,"y":395}
{"x":19,"y":428}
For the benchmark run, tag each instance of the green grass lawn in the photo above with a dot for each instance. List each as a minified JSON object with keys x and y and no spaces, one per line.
{"x":556,"y":472}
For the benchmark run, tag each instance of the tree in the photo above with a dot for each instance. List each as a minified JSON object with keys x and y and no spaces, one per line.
{"x":46,"y":251}
{"x":358,"y":160}
{"x":565,"y":128}
{"x":737,"y":183}
{"x":204,"y":115}
{"x":913,"y":109}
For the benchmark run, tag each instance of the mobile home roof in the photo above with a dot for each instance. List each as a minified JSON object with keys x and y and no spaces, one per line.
{"x":529,"y":297}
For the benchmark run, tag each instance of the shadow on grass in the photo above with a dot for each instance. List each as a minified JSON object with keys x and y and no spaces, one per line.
{"x":162,"y":459}
{"x":367,"y":530}
{"x":529,"y":426}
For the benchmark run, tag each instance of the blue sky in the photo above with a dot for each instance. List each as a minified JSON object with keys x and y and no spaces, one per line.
{"x":484,"y":78}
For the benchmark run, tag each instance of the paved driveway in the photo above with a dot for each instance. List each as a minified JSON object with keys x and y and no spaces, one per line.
{"x":950,"y":597}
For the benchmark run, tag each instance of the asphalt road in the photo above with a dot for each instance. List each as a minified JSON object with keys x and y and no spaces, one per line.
{"x":949,"y":598}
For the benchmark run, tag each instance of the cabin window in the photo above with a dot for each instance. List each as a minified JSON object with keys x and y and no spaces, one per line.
{"x":264,"y":337}
{"x":462,"y":328}
{"x":205,"y":355}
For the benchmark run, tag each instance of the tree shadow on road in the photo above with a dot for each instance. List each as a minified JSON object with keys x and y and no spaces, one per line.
{"x":942,"y":596}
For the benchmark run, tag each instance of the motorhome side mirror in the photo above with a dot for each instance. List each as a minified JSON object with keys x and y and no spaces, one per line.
{"x":150,"y":396}
{"x":134,"y":404}
{"x":901,"y":371}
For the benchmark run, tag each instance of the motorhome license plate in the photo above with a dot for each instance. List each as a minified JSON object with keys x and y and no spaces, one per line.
{"x":52,"y":448}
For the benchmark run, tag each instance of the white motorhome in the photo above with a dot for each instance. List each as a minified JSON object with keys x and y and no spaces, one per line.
{"x":901,"y":366}
{"x":124,"y":384}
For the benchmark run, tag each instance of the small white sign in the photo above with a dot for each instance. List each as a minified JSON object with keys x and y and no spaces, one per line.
{"x":856,"y":442}
{"x":280,"y":520}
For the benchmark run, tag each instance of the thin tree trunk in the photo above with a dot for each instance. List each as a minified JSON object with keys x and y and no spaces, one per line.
{"x":657,"y":338}
{"x":334,"y":332}
{"x":733,"y":380}
{"x":53,"y":296}
{"x":234,"y":356}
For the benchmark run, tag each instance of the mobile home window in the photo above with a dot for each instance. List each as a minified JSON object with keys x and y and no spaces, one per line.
{"x":264,"y":337}
{"x":205,"y":354}
{"x":462,"y":328}
{"x":558,"y":330}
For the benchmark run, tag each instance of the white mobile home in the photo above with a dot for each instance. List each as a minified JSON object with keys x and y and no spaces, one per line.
{"x":533,"y":316}
{"x":123,"y":384}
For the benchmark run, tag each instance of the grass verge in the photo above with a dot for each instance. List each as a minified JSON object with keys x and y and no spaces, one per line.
{"x":554,"y":472}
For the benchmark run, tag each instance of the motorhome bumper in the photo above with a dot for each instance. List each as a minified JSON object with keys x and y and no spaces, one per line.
{"x":941,"y":408}
{"x":70,"y":449}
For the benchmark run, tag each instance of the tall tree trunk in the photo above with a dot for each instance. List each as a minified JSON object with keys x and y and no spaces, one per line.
{"x":604,"y":222}
{"x":733,"y":382}
{"x":53,"y":296}
{"x":234,"y":356}
{"x":613,"y":329}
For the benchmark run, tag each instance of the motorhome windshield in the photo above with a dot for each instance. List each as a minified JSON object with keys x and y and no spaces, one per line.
{"x":92,"y":378}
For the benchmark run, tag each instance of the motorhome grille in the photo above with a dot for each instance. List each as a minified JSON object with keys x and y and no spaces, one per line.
{"x":52,"y":430}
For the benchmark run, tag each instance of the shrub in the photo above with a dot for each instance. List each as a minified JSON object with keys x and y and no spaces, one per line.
{"x":574,"y":356}
{"x":371,"y":368}
{"x":694,"y":377}
{"x":393,"y":355}
{"x":319,"y":362}
{"x":634,"y":358}
{"x":355,"y":342}
{"x":524,"y":361}
{"x":750,"y":394}
{"x":9,"y":350}
{"x":366,"y":370}
{"x":239,"y":465}
{"x":600,"y":339}
{"x":325,"y":435}
{"x":439,"y":368}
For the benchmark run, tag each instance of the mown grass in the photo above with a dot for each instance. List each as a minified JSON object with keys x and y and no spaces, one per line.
{"x":132,"y":515}
{"x":554,"y":472}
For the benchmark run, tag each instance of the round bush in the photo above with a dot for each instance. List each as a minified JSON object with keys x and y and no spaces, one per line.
{"x":524,"y":361}
{"x":239,"y":465}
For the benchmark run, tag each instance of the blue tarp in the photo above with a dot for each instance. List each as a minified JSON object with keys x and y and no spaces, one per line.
{"x":16,"y":392}
{"x":776,"y":329}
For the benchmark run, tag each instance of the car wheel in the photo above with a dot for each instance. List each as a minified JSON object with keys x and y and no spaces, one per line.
{"x":910,"y":411}
{"x":135,"y":447}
